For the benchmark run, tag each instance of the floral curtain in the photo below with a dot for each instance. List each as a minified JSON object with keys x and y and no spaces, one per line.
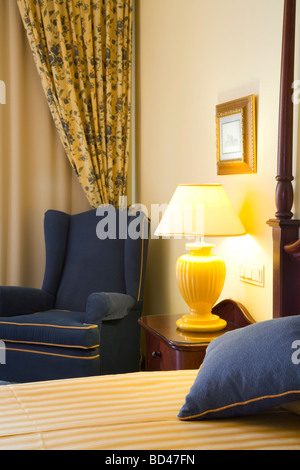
{"x":83,"y":53}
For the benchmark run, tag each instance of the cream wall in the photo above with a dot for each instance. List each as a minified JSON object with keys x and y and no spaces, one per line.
{"x":191,"y":56}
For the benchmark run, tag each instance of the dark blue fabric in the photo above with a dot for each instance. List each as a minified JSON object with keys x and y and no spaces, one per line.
{"x":246,"y":371}
{"x":136,"y":257}
{"x":91,"y":265}
{"x":52,"y":327}
{"x":85,"y":279}
{"x":56,"y":231}
{"x":108,"y":306}
{"x":120,"y":344}
{"x":28,"y":363}
{"x":16,"y":300}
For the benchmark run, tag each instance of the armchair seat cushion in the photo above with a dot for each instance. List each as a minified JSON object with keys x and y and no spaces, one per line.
{"x":53,"y":327}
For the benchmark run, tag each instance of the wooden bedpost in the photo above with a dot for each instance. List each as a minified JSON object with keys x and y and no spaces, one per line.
{"x":284,"y":189}
{"x":286,"y":299}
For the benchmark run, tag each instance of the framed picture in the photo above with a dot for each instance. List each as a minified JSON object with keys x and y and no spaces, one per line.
{"x":236,"y":136}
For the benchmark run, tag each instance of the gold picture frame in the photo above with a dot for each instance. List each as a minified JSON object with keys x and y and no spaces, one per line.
{"x":236,"y":136}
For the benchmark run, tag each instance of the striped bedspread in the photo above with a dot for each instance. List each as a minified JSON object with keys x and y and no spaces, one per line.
{"x":129,"y":412}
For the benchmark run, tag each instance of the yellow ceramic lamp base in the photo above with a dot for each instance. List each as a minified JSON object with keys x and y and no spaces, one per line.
{"x":192,"y":324}
{"x":200,"y":277}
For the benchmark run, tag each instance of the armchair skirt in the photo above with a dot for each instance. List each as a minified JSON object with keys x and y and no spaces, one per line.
{"x":60,"y":339}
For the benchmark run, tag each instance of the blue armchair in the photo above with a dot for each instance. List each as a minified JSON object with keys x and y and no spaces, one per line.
{"x":84,"y":320}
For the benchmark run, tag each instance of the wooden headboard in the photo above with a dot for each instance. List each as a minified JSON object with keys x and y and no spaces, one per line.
{"x":285,"y":228}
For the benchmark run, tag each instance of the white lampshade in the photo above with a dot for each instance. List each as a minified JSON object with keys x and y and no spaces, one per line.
{"x":200,"y":210}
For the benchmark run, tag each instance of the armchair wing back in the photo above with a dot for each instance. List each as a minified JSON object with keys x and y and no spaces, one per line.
{"x":97,"y":281}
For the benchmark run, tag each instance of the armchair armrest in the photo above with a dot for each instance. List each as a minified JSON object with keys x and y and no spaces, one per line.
{"x":103,"y":306}
{"x":16,"y":300}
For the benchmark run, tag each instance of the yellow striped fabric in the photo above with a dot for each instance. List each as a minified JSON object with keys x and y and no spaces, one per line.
{"x":131,"y":412}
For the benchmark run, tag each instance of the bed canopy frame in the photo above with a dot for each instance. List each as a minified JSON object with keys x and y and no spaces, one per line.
{"x":285,"y":228}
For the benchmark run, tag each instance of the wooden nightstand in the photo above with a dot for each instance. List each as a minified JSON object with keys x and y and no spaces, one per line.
{"x":168,"y":348}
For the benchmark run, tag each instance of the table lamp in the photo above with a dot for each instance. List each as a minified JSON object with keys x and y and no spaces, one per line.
{"x":198,"y":211}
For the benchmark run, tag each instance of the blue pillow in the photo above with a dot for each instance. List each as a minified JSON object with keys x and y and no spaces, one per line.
{"x":246,"y":371}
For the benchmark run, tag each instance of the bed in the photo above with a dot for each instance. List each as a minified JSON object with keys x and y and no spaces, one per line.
{"x":129,"y":412}
{"x":251,"y":401}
